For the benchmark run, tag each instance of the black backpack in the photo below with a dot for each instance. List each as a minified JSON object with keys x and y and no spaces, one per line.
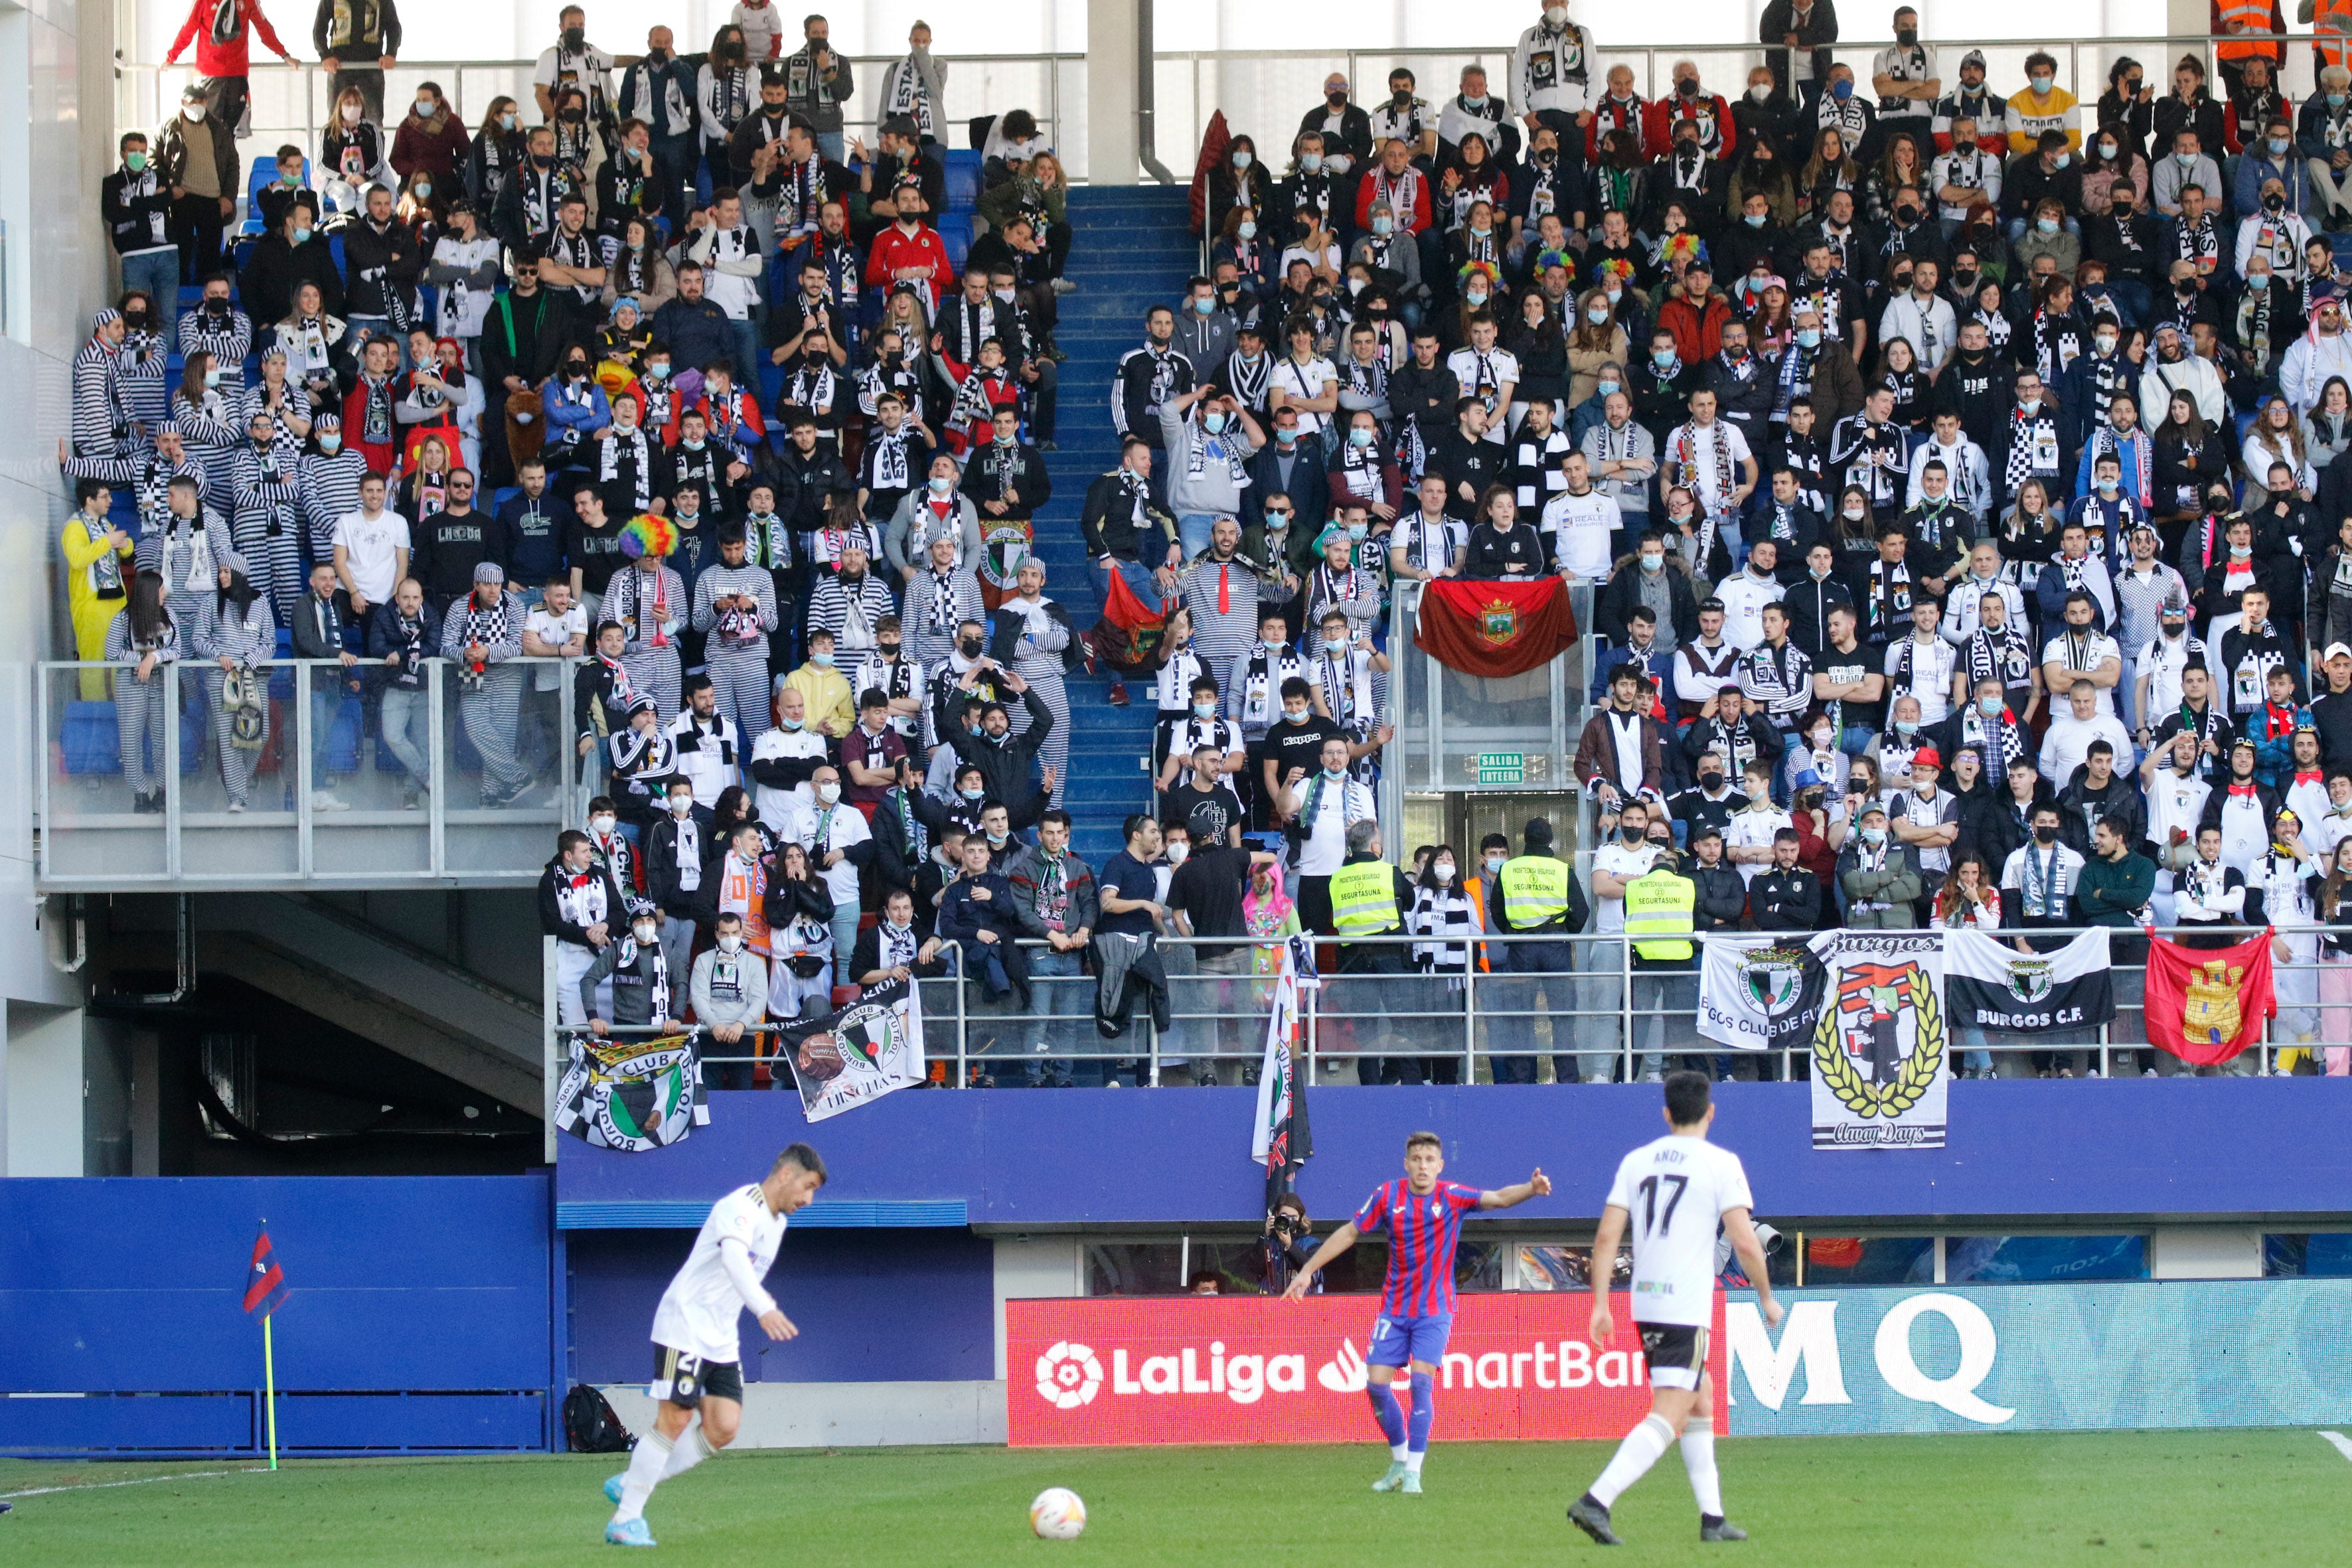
{"x":589,"y":1425}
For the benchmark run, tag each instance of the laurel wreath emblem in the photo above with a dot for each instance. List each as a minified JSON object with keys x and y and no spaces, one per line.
{"x":1910,"y":1086}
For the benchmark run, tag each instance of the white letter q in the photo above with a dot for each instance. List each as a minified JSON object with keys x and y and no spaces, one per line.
{"x":1957,"y":1393}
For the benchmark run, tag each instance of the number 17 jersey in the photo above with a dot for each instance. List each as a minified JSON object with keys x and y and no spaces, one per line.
{"x":1675,"y":1192}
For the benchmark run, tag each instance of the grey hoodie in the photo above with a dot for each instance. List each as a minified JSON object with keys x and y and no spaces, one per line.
{"x":1216,"y":488}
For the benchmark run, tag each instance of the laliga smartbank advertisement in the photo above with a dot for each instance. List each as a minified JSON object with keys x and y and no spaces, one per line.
{"x":1207,"y":1369}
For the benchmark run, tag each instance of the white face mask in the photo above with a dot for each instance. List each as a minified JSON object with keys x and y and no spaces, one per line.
{"x":1176,"y":853}
{"x":681,"y":805}
{"x":829,"y":792}
{"x":351,"y":114}
{"x":192,"y":110}
{"x":728,"y":942}
{"x":1444,"y":870}
{"x":647,"y":934}
{"x":601,"y":825}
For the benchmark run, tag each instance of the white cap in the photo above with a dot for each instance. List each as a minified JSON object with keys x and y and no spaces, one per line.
{"x":2335,"y":650}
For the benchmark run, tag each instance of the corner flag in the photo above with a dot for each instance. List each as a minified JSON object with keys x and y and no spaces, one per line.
{"x":265,"y":1283}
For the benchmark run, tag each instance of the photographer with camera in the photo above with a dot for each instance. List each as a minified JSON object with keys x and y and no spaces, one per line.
{"x":1290,"y":1238}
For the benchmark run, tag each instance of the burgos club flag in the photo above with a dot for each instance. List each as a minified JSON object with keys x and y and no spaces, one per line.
{"x":1495,"y":628}
{"x":1256,"y":1369}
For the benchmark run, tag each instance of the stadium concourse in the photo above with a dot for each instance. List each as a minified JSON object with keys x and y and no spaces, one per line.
{"x":675,"y":604}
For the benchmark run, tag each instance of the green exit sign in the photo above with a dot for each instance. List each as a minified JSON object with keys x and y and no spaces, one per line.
{"x":1502,"y":767}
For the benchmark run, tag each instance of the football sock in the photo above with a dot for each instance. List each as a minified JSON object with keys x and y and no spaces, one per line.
{"x":1425,"y":1411}
{"x":1389,"y":1414}
{"x":646,"y":1462}
{"x":1635,"y":1457}
{"x":1698,"y":1458}
{"x":691,"y":1449}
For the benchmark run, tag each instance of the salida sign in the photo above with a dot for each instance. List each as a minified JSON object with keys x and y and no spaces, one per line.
{"x":1205,"y":1369}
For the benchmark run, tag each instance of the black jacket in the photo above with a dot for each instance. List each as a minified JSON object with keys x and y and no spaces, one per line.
{"x":807,"y":485}
{"x":894,"y":852}
{"x":137,"y":223}
{"x":1309,"y":489}
{"x":376,"y":265}
{"x":660,"y":841}
{"x":1624,"y":593}
{"x":277,"y":267}
{"x":1003,"y":765}
{"x":1786,"y":901}
{"x":551,"y":920}
{"x":1355,"y":136}
{"x":523,"y":336}
{"x":1722,"y":897}
{"x":1137,"y":370}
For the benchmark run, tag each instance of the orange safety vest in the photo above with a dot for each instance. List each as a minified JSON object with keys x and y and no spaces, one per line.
{"x":2331,"y":27}
{"x":2256,"y":17}
{"x":1478,"y":893}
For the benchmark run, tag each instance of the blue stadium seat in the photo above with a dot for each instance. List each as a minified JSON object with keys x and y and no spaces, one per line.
{"x":955,"y":233}
{"x":962,"y":169}
{"x":263,"y":174}
{"x":90,"y":742}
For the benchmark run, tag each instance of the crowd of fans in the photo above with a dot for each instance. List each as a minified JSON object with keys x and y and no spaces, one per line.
{"x":1950,"y":468}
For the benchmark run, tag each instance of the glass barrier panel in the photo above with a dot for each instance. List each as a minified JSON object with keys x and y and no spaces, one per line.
{"x":239,"y":813}
{"x":370,"y":746}
{"x":502,"y":738}
{"x":104,"y":779}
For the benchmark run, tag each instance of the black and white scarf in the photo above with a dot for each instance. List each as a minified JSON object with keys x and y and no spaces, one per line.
{"x":1890,"y":598}
{"x":1268,"y":667}
{"x":487,"y":627}
{"x":638,"y":470}
{"x":2025,"y":430}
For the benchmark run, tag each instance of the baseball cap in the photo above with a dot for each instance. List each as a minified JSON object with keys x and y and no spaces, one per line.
{"x":1927,"y":757}
{"x":2334,"y":651}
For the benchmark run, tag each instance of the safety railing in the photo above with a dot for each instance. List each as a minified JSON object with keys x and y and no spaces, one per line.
{"x":1264,"y":92}
{"x":349,"y":778}
{"x":1534,"y":1009}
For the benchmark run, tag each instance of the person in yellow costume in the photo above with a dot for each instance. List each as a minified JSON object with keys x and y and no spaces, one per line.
{"x":98,"y":559}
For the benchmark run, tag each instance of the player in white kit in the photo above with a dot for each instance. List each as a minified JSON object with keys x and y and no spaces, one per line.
{"x":1673,"y":1193}
{"x":697,"y":1361}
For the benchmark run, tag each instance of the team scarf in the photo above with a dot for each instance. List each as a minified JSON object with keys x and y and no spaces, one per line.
{"x":1247,"y":376}
{"x":1347,"y":683}
{"x":1890,"y":595}
{"x":1360,"y":470}
{"x":1269,"y":666}
{"x":1998,"y":741}
{"x":1002,"y":462}
{"x":2024,"y":429}
{"x":1682,"y":452}
{"x":977,"y":398}
{"x":639,"y":471}
{"x":810,"y":388}
{"x":943,"y":603}
{"x":1793,"y":379}
{"x":659,"y":987}
{"x":1997,"y":330}
{"x":804,"y":192}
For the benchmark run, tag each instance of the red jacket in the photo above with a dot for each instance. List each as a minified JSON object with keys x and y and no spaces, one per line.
{"x":1697,"y":333}
{"x":894,"y":250}
{"x":1407,"y":195}
{"x":1717,"y":134}
{"x":742,"y":409}
{"x":219,"y":58}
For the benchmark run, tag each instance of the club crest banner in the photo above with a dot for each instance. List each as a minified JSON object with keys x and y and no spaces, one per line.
{"x":632,"y":1095}
{"x":857,"y":1053}
{"x":1881,"y":1047}
{"x":1991,"y":986}
{"x":1759,"y":993}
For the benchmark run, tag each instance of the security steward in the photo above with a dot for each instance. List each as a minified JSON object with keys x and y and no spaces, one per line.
{"x":1371,"y":897}
{"x":1532,"y":894}
{"x":1661,"y":909}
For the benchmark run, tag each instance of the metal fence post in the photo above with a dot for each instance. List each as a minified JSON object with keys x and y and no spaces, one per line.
{"x":304,"y":850}
{"x":963,"y":1071}
{"x":437,"y":767}
{"x":1470,"y":1014}
{"x":550,"y":1070}
{"x":1625,"y":1000}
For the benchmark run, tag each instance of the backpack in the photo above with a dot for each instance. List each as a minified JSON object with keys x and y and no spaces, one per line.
{"x":589,"y":1425}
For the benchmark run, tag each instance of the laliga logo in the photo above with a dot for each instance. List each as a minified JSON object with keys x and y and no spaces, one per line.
{"x":1343,"y":1373}
{"x":1068,"y":1375}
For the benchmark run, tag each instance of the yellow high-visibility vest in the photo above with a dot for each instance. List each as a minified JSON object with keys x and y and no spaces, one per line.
{"x":1660,"y":903}
{"x":1363,"y":899}
{"x":1535,"y":890}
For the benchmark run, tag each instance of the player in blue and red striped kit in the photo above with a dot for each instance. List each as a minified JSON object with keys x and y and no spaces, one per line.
{"x":1423,"y":1216}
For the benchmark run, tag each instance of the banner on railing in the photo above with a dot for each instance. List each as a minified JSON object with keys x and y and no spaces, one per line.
{"x":2206,"y":1005}
{"x":1280,"y":1139}
{"x":856,"y":1054}
{"x":632,"y":1095}
{"x":1881,"y":1062}
{"x":1245,"y":1369}
{"x":1988,"y":984}
{"x":1759,"y":993}
{"x":1494,"y":627}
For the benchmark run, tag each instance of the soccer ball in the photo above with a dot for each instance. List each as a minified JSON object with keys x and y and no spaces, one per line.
{"x":1058,"y":1514}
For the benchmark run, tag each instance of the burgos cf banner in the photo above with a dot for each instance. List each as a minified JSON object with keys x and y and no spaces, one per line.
{"x":1880,"y":1050}
{"x":1205,"y":1369}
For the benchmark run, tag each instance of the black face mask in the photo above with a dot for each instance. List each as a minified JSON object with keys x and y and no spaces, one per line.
{"x":889,"y":649}
{"x":2045,"y":834}
{"x":577,"y":370}
{"x":1336,"y":100}
{"x":1632,"y":835}
{"x":968,"y":647}
{"x":574,"y":37}
{"x":1965,"y":282}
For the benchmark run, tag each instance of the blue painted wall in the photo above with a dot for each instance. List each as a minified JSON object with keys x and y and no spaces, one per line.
{"x":2088,"y":1152}
{"x":877,"y":1305}
{"x":419,"y":1317}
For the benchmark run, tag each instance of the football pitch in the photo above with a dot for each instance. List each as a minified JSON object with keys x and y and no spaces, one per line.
{"x":2236,"y":1498}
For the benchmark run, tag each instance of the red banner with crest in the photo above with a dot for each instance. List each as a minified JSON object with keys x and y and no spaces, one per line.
{"x":1494,"y":627}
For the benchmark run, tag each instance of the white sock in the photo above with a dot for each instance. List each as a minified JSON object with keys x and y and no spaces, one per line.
{"x":1635,"y":1457}
{"x":1412,"y":1462}
{"x":691,"y":1449}
{"x":1398,"y":1452}
{"x":646,"y":1462}
{"x":1698,"y":1459}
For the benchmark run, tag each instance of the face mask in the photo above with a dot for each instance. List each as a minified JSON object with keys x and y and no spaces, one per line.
{"x":331,"y":443}
{"x":2045,"y":834}
{"x":351,"y":114}
{"x":2258,"y":279}
{"x":1753,"y":220}
{"x":2278,"y":146}
{"x":1906,"y":37}
{"x":1335,"y":645}
{"x":1632,"y":835}
{"x":1841,"y":90}
{"x":824,"y":660}
{"x":647,"y":934}
{"x":1989,"y":706}
{"x":574,"y":37}
{"x":1605,"y":388}
{"x":1760,"y":92}
{"x":1820,"y":739}
{"x":192,"y":110}
{"x":1907,"y":214}
{"x":506,"y":120}
{"x":1874,"y":836}
{"x":601,"y":825}
{"x":1335,"y":775}
{"x":2062,"y":159}
{"x":1360,"y":438}
{"x":1312,"y":163}
{"x":681,"y":805}
{"x":2107,"y":487}
{"x":1214,"y":421}
{"x":940,"y":485}
{"x":1476,"y":297}
{"x":2104,"y":342}
{"x":2107,"y":149}
{"x":2274,"y":202}
{"x":1907,"y":726}
{"x":1248,"y":228}
{"x":301,"y":237}
{"x":2046,"y":224}
{"x":829,"y":792}
{"x":1176,"y":853}
{"x":1653,"y":562}
{"x":1854,"y":513}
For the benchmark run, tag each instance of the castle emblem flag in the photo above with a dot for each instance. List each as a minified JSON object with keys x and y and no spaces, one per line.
{"x":1758,"y":993}
{"x":2206,"y":1005}
{"x":1496,"y":629}
{"x":1991,"y":986}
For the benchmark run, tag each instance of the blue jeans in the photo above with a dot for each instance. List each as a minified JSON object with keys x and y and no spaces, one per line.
{"x":156,"y":274}
{"x":1067,"y":997}
{"x":829,"y":143}
{"x":325,"y":704}
{"x":747,"y":353}
{"x":1855,"y":739}
{"x":844,"y":943}
{"x":1137,"y":576}
{"x":405,"y":730}
{"x":1192,"y":528}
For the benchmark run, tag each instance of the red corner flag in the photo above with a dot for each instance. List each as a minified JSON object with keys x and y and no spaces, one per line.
{"x":1495,"y":628}
{"x":2206,"y":1005}
{"x":265,"y":1283}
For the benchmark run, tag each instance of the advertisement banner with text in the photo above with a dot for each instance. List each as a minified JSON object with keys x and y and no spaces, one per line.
{"x":1207,"y":1369}
{"x":2054,"y":1358}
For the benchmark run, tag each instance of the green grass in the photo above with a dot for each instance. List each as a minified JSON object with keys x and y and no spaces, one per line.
{"x":2233,"y":1498}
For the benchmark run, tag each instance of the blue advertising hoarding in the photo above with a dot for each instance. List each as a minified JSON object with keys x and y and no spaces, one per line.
{"x":2054,"y":1357}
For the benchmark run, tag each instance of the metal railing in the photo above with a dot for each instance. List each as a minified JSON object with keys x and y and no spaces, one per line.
{"x":1261,"y":92}
{"x":316,"y":807}
{"x":1604,"y":1018}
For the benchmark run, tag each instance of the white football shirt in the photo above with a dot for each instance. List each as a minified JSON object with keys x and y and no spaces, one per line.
{"x":1675,"y":1191}
{"x":698,"y":1311}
